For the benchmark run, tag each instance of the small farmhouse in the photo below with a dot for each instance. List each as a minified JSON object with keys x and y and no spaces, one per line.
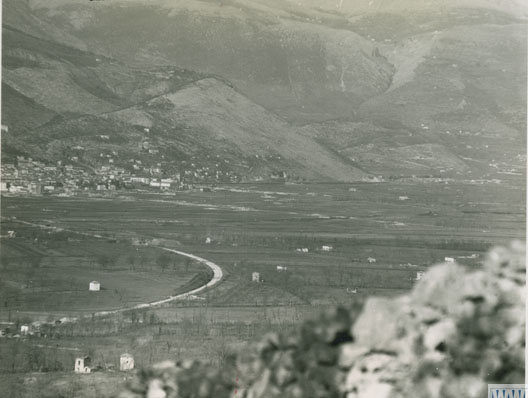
{"x":126,"y":362}
{"x":82,"y":365}
{"x":326,"y":248}
{"x":371,"y":260}
{"x":449,"y":259}
{"x":255,"y":277}
{"x":24,"y":330}
{"x":94,"y":286}
{"x":281,"y":268}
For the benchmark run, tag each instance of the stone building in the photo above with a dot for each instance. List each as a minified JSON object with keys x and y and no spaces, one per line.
{"x":82,"y":365}
{"x":126,"y":362}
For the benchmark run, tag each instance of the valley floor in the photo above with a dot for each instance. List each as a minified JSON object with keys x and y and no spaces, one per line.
{"x":334,"y":244}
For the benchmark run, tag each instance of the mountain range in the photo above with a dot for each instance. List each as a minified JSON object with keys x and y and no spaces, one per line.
{"x":325,"y":90}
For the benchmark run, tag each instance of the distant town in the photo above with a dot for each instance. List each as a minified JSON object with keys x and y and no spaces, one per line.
{"x":29,"y":176}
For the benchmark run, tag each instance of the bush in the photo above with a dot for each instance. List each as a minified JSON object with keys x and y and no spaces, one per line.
{"x":455,"y":332}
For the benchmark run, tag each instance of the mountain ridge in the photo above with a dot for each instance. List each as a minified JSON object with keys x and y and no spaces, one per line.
{"x":354,"y":92}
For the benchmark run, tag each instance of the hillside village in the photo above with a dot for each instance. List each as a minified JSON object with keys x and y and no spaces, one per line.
{"x":30,"y":176}
{"x":34,"y":177}
{"x":78,"y":171}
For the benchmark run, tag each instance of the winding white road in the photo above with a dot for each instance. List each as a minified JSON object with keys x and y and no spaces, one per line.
{"x":217,"y":277}
{"x":217,"y":274}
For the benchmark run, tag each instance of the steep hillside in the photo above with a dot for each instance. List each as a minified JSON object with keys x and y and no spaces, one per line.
{"x":67,"y":80}
{"x":283,"y":60}
{"x":149,"y":114}
{"x":308,"y":61}
{"x":381,"y":86}
{"x":206,"y":119}
{"x":471,"y":72}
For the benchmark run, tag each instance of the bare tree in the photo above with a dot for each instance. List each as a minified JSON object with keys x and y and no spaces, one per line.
{"x":163,"y":261}
{"x":104,"y":261}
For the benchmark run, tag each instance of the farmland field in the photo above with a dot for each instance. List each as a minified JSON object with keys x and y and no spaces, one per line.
{"x":50,"y":272}
{"x":402,"y":228}
{"x":61,"y":244}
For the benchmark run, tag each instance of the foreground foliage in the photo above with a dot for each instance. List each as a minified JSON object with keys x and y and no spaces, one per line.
{"x":457,"y":330}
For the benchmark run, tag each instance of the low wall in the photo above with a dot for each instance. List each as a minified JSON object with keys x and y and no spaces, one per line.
{"x":454,"y":333}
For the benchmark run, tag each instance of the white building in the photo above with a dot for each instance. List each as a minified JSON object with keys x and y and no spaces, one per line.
{"x":24,"y":330}
{"x":255,"y":277}
{"x":449,"y":259}
{"x":326,"y":248}
{"x":142,"y":180}
{"x":371,"y":260}
{"x":419,"y":275}
{"x":94,"y":286}
{"x":82,"y":365}
{"x":281,"y":268}
{"x":126,"y":362}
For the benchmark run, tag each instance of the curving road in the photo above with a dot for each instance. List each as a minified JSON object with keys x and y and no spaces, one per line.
{"x":217,"y":274}
{"x":217,"y":277}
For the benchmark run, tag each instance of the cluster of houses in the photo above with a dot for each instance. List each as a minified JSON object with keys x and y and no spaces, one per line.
{"x":83,"y":364}
{"x":10,"y":330}
{"x":30,"y":176}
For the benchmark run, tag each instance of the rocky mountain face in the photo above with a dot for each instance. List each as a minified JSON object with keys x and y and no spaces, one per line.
{"x":457,"y":331}
{"x":332,"y":89}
